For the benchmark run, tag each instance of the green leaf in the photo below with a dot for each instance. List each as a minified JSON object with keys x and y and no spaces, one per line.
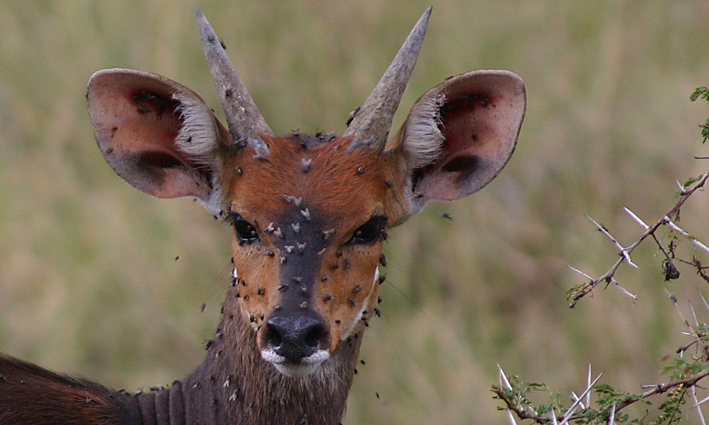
{"x":690,"y":181}
{"x":702,"y":92}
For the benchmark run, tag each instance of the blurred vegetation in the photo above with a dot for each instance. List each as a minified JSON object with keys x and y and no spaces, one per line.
{"x":89,"y":280}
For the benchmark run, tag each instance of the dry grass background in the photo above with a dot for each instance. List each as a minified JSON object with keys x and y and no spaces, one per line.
{"x":88,"y":278}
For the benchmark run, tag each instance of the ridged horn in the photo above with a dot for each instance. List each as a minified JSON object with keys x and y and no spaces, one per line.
{"x":244,"y":119}
{"x":371,"y":125}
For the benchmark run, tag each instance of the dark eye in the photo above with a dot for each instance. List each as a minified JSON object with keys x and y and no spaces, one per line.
{"x":245,"y":231}
{"x":369,"y":232}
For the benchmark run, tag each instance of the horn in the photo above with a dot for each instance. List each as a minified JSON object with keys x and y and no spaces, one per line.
{"x":244,"y":119}
{"x":372,"y":123}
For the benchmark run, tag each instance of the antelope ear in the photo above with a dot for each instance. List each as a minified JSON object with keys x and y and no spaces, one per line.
{"x":460,"y":134}
{"x":158,"y":135}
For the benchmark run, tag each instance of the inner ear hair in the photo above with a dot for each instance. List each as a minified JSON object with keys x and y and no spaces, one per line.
{"x":422,"y":136}
{"x":199,"y":133}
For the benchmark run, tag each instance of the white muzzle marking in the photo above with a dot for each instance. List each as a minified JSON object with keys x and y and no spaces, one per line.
{"x":307,"y":365}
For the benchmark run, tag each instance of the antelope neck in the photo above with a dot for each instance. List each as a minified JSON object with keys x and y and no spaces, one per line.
{"x":235,"y":385}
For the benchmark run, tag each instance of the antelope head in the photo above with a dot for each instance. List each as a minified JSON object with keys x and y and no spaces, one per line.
{"x":310,"y":213}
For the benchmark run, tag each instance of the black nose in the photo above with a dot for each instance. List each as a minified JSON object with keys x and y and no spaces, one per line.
{"x":295,"y":336}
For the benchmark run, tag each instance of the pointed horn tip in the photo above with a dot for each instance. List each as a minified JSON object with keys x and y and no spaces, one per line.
{"x":201,"y":19}
{"x":205,"y":28}
{"x":209,"y":36}
{"x":418,"y":32}
{"x":423,"y":20}
{"x":425,"y":16}
{"x":428,"y":11}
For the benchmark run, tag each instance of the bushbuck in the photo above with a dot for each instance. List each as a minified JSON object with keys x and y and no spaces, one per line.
{"x":309,"y":215}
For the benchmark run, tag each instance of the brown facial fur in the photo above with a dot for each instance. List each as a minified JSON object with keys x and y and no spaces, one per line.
{"x":305,"y":199}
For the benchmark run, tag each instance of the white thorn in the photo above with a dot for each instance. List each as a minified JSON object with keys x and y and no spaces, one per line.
{"x":691,"y":238}
{"x":503,"y":379}
{"x":511,"y":418}
{"x":588,"y":384}
{"x":698,"y":405}
{"x":694,"y":314}
{"x":706,"y":305}
{"x":620,"y":247}
{"x":624,"y":291}
{"x":576,"y":398}
{"x":573,"y":407}
{"x":673,"y":298}
{"x":580,"y":272}
{"x":637,"y":219}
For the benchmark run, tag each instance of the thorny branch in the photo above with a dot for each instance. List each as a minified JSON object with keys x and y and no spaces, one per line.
{"x":524,"y":412}
{"x":666,"y":220}
{"x":686,"y":373}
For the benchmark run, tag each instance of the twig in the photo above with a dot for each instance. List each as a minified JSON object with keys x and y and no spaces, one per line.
{"x":699,"y":266}
{"x":684,"y":194}
{"x":663,"y":388}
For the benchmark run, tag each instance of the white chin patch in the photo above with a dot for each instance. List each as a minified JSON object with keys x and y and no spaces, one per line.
{"x":306,"y":366}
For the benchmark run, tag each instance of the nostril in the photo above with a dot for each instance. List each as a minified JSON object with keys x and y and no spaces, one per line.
{"x":273,"y":335}
{"x":314,"y":335}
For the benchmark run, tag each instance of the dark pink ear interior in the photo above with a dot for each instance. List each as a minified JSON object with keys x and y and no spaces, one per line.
{"x":136,"y":120}
{"x":480,"y":118}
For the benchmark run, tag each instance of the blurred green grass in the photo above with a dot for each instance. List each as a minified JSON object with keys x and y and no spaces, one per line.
{"x":89,"y":282}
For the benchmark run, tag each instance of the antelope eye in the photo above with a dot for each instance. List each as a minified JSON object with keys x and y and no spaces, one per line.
{"x":369,"y":232}
{"x":245,"y":231}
